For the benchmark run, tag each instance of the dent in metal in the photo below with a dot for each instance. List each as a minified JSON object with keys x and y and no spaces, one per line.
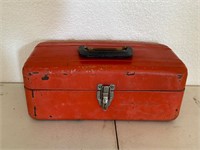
{"x":130,"y":73}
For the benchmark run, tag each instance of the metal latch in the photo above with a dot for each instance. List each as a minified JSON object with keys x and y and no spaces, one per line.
{"x":105,"y":95}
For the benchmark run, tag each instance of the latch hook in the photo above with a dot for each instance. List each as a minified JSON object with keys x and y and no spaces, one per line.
{"x":105,"y":95}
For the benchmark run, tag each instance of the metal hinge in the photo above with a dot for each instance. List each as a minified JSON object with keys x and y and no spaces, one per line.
{"x":105,"y":95}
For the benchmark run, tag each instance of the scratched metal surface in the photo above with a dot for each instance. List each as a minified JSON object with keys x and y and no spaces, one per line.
{"x":182,"y":133}
{"x":20,"y":131}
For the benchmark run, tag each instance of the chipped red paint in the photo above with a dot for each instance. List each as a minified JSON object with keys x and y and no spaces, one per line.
{"x":60,"y":84}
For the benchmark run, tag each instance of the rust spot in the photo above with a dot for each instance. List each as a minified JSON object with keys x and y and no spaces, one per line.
{"x":33,"y":94}
{"x":35,"y":72}
{"x":31,"y":73}
{"x":65,"y":74}
{"x":35,"y":114}
{"x":179,"y":76}
{"x":130,"y":73}
{"x":45,"y":77}
{"x":176,"y":112}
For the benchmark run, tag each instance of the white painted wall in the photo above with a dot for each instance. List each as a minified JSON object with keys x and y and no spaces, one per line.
{"x":24,"y":23}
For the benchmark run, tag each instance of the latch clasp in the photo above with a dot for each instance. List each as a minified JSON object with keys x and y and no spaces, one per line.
{"x":105,"y":95}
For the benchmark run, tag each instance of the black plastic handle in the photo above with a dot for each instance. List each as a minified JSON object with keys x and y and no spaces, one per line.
{"x":123,"y":52}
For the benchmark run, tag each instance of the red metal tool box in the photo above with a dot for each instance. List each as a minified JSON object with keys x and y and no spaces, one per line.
{"x":108,"y":80}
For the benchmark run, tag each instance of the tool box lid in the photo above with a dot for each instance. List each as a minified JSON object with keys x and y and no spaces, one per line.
{"x":59,"y":65}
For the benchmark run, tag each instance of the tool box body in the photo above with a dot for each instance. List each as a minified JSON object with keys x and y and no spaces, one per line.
{"x":61,"y":84}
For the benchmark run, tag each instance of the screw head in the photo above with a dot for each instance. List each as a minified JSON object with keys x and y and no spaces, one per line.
{"x":112,"y":86}
{"x":99,"y":87}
